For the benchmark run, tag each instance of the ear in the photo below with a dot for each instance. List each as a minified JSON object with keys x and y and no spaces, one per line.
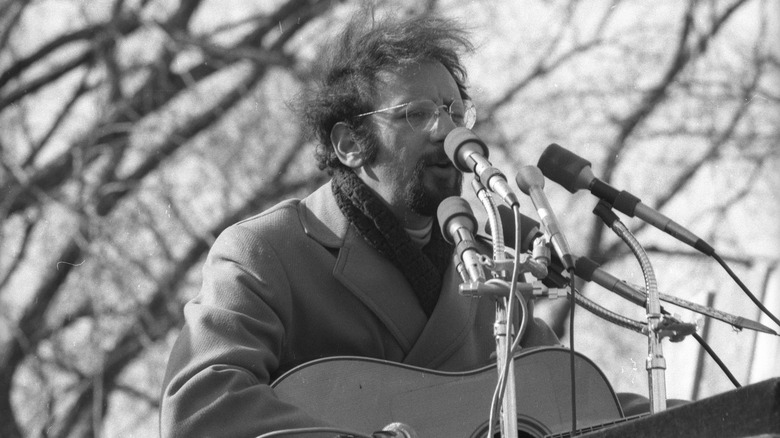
{"x":347,"y":149}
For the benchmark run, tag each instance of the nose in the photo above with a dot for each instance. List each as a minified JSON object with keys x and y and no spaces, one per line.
{"x":442,"y":126}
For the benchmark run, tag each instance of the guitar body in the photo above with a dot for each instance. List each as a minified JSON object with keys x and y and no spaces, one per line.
{"x":366,"y":394}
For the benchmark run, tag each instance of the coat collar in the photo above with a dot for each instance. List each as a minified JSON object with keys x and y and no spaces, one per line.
{"x":383,"y":288}
{"x":322,"y":218}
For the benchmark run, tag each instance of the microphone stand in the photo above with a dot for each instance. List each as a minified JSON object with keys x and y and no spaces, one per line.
{"x":502,"y":328}
{"x":656,"y":323}
{"x":506,"y":289}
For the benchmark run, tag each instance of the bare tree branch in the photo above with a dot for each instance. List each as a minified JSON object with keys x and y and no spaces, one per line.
{"x":126,"y":24}
{"x":21,"y":253}
{"x":684,"y":54}
{"x":156,"y":319}
{"x":160,"y":87}
{"x":713,"y":151}
{"x":10,"y":12}
{"x":80,"y":91}
{"x":30,"y":323}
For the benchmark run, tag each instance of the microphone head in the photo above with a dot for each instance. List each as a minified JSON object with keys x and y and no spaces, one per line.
{"x":455,"y":210}
{"x":459,"y":144}
{"x":565,"y":168}
{"x":527,"y":177}
{"x":584,"y":268}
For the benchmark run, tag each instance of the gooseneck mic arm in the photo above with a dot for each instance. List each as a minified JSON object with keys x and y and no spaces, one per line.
{"x":656,"y":363}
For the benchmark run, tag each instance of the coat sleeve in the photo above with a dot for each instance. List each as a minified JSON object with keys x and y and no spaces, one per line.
{"x":217,"y":381}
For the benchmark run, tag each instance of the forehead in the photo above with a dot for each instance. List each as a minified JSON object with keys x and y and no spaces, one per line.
{"x":430,"y":80}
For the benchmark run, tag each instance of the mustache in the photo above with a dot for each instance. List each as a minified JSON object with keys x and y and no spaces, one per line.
{"x":435,"y":158}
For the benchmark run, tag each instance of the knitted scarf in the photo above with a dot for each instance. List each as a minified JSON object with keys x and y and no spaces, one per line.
{"x":423,"y":268}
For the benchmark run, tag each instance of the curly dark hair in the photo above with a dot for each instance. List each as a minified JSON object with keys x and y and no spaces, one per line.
{"x":366,"y":48}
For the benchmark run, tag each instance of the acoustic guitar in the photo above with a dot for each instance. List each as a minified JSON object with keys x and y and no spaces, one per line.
{"x":366,"y":394}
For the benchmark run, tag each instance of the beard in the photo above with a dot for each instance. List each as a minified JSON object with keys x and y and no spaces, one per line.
{"x":425,"y":200}
{"x":417,"y":197}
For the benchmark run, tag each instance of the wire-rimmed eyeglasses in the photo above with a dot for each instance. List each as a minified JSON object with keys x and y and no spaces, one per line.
{"x":423,"y":114}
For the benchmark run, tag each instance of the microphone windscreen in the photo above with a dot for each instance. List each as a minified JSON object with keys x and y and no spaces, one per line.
{"x":527,"y":177}
{"x":562,"y":166}
{"x":458,"y":139}
{"x":452,"y":208}
{"x":584,"y":268}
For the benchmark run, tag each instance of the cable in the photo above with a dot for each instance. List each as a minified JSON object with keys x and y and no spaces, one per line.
{"x":717,"y":359}
{"x":572,"y":305}
{"x":498,"y":394}
{"x":745,"y":289}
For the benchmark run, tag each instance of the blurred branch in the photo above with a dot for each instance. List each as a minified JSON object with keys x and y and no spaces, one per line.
{"x":183,"y":218}
{"x":713,"y":151}
{"x":160,"y":86}
{"x":688,"y":48}
{"x":29,"y":325}
{"x":95,"y":33}
{"x":155,"y":319}
{"x":544,"y":65}
{"x":11,"y":12}
{"x":52,"y":75}
{"x":26,"y":233}
{"x":80,"y":91}
{"x":117,"y":189}
{"x":152,"y":400}
{"x":685,"y":53}
{"x":158,"y":317}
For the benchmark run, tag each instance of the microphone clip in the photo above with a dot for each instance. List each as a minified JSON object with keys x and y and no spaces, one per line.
{"x":671,"y":327}
{"x":496,"y":289}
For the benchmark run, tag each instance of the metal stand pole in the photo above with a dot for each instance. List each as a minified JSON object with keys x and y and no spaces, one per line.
{"x":656,"y":367}
{"x":656,"y":364}
{"x":509,"y":402}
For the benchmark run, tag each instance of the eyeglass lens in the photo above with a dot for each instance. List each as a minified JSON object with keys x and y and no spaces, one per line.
{"x":423,"y":114}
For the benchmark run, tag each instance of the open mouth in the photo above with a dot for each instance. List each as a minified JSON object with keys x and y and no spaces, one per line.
{"x":443,"y":169}
{"x":441,"y":164}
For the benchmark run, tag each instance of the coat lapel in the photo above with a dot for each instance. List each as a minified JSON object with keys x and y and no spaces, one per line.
{"x":367,"y":274}
{"x":451,"y":321}
{"x":383,"y":288}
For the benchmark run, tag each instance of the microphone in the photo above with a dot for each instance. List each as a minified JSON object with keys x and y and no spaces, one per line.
{"x":458,"y":225}
{"x":574,"y":173}
{"x":469,"y":154}
{"x":531,"y":182}
{"x":589,"y":270}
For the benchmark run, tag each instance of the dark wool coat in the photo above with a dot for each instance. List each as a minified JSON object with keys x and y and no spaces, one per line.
{"x":297,"y":283}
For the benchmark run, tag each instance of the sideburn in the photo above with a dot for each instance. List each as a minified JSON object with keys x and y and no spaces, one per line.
{"x":422,"y":201}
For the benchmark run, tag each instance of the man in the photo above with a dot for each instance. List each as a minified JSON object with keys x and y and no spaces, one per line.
{"x":359,"y":267}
